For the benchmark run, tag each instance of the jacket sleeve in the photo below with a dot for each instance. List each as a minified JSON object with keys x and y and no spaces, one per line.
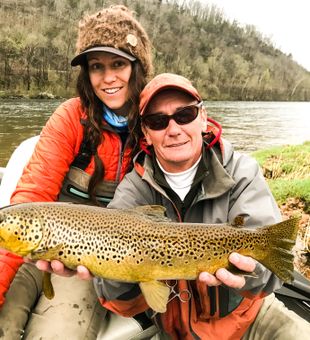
{"x":252,"y":198}
{"x":9,"y":264}
{"x":43,"y":175}
{"x":58,"y":144}
{"x":132,"y":192}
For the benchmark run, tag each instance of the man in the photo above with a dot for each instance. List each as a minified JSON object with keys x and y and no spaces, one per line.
{"x":199,"y":178}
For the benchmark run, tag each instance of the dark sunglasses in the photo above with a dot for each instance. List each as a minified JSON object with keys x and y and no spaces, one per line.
{"x":183,"y":116}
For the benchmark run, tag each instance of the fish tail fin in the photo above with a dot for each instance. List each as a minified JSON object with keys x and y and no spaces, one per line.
{"x":282,"y":238}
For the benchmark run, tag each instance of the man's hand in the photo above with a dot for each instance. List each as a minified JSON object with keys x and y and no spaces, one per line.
{"x":57,"y":267}
{"x":223,"y":276}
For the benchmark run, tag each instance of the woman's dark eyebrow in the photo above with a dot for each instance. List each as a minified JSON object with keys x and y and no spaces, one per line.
{"x":92,"y":58}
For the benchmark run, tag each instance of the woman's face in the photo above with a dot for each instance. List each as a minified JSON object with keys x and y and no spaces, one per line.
{"x":109,"y":75}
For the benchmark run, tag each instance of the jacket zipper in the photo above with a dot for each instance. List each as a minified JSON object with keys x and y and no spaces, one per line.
{"x":121,"y":157}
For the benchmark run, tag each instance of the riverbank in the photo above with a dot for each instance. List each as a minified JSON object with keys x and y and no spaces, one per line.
{"x":36,"y":95}
{"x":287,"y":171}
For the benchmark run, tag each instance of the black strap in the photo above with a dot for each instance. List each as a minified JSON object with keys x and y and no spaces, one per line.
{"x":223,"y":301}
{"x":83,"y":158}
{"x":212,"y":297}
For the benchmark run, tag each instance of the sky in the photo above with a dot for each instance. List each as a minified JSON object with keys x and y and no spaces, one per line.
{"x":285,"y":22}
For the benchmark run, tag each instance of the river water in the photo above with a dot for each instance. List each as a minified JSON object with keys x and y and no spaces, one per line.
{"x":248,"y":125}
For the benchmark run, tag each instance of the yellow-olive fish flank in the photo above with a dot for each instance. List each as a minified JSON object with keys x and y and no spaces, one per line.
{"x":140,"y":244}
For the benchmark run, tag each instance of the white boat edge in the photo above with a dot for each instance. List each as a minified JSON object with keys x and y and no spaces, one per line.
{"x":2,"y":170}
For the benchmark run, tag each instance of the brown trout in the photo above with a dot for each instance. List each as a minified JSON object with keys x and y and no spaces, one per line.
{"x":141,"y":244}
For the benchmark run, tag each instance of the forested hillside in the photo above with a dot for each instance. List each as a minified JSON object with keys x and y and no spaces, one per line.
{"x":224,"y":60}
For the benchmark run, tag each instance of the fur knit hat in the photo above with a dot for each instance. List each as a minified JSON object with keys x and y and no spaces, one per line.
{"x":114,"y":30}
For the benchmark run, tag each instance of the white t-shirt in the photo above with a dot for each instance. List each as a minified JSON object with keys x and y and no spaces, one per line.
{"x":180,"y":182}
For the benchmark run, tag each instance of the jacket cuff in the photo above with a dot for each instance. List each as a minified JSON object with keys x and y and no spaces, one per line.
{"x":9,"y":265}
{"x":264,"y":284}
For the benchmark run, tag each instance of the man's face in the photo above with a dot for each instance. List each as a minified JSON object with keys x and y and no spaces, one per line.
{"x":177,"y":147}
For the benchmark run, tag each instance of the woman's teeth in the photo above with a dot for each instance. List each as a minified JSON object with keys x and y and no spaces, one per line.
{"x":111,"y":91}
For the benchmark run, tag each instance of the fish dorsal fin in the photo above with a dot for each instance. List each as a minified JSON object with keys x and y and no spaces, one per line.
{"x":238,"y":222}
{"x":154,"y":212}
{"x":156,"y":295}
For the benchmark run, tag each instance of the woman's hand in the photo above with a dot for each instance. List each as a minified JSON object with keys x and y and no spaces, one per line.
{"x":223,"y":276}
{"x":57,"y":267}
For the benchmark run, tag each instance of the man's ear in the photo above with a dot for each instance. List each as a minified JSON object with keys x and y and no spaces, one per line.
{"x":146,"y":135}
{"x":204,"y":118}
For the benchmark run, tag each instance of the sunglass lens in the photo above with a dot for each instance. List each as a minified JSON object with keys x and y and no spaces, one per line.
{"x":156,"y":122}
{"x":160,"y":121}
{"x":186,"y":115}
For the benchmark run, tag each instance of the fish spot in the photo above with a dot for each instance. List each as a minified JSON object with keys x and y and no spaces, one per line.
{"x":75,"y":305}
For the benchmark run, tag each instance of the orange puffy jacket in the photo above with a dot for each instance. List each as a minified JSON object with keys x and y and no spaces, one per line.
{"x":44,"y":174}
{"x":9,"y":264}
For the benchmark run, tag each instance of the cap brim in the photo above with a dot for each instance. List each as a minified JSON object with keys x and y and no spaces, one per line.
{"x":81,"y":58}
{"x":167,"y":86}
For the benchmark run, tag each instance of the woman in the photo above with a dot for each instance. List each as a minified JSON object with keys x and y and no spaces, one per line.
{"x":83,"y":152}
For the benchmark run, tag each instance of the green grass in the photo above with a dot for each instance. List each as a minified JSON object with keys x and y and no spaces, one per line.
{"x":287,"y":170}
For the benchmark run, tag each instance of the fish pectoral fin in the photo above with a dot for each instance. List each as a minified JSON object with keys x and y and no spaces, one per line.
{"x":236,"y":271}
{"x":48,"y":254}
{"x":156,"y":295}
{"x":48,"y":289}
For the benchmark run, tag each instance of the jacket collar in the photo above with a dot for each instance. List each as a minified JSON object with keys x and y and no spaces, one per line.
{"x":217,"y":180}
{"x":215,"y":183}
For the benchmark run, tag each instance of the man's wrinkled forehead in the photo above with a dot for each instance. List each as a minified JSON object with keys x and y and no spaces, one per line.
{"x":169,"y":95}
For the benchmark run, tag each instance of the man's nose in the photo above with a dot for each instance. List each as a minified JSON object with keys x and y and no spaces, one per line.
{"x":173,"y":127}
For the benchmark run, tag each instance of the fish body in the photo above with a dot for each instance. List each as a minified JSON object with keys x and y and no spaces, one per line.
{"x":140,"y":244}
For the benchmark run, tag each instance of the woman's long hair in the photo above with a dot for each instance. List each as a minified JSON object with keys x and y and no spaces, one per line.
{"x":93,"y":126}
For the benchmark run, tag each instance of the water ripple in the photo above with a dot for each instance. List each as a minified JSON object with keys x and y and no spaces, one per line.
{"x":248,"y":125}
